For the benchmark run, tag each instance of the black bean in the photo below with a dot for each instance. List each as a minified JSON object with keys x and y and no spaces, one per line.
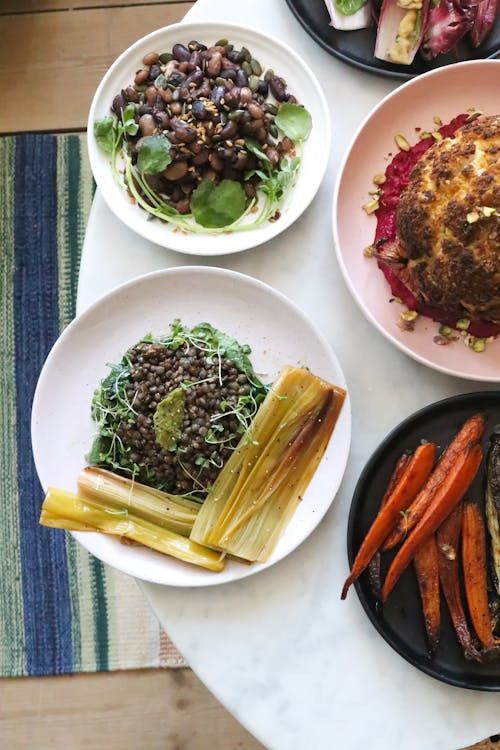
{"x":154,"y":72}
{"x":278,"y":88}
{"x":218,"y":92}
{"x":235,"y":56}
{"x":263,"y":88}
{"x":194,"y":45}
{"x":119,"y":103}
{"x":176,"y":78}
{"x":199,"y":109}
{"x":196,"y":77}
{"x":145,"y":109}
{"x":228,"y":75}
{"x":241,"y":78}
{"x":181,"y":53}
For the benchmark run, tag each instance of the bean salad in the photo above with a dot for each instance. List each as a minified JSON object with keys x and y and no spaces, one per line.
{"x":204,"y":130}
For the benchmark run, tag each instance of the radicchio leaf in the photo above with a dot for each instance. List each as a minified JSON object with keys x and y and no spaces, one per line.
{"x":485,"y":18}
{"x":448,"y":22}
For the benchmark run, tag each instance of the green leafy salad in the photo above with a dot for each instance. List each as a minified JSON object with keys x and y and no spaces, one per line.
{"x":205,"y":139}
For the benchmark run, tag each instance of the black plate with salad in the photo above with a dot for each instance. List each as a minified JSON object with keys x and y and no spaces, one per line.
{"x":357,"y":47}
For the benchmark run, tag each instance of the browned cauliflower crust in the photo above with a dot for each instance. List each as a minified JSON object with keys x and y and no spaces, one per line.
{"x":448,"y":222}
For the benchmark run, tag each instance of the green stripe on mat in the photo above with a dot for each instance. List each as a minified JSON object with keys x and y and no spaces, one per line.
{"x":112,"y":627}
{"x":12,"y":645}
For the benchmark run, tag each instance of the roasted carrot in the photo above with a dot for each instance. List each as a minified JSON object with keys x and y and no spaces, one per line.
{"x":448,"y":538}
{"x":470,"y":432}
{"x":412,"y":479}
{"x":374,"y":565}
{"x":427,"y":570}
{"x":474,"y":568}
{"x":450,"y":492}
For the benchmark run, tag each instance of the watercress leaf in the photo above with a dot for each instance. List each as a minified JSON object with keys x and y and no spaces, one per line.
{"x":294,"y":121}
{"x":253,"y":146}
{"x":154,"y":154}
{"x":349,"y":7}
{"x":128,"y":118}
{"x":105,"y":133}
{"x":218,"y":204}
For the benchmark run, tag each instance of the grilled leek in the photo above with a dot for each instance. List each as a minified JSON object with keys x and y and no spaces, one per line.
{"x":109,"y":490}
{"x":65,"y":510}
{"x":260,"y":486}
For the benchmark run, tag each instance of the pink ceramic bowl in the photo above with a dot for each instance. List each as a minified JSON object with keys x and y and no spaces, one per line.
{"x":441,"y":93}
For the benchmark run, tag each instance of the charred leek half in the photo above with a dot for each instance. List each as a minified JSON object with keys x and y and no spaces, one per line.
{"x":134,"y":512}
{"x":261,"y":484}
{"x":493,"y":504}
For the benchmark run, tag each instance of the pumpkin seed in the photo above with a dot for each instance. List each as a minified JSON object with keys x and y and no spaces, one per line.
{"x":256,"y":66}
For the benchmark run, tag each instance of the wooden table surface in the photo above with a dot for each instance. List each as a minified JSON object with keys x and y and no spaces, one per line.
{"x":53,"y":54}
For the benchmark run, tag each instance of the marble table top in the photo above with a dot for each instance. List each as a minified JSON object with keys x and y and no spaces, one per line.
{"x":298,"y":667}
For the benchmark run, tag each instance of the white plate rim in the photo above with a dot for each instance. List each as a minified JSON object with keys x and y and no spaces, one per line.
{"x":394,"y":95}
{"x":206,"y":578}
{"x":240,"y":241}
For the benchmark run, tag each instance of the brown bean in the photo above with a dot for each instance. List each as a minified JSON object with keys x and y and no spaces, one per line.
{"x":285,"y":145}
{"x":183,"y":206}
{"x":176,"y":170}
{"x":240,"y":161}
{"x":150,"y":94}
{"x":255,"y":111}
{"x":176,"y":108}
{"x":150,"y":58}
{"x":147,"y":125}
{"x":273,"y":155}
{"x":141,"y":77}
{"x":201,"y":157}
{"x":131,"y":94}
{"x":216,"y":162}
{"x":166,"y":95}
{"x":162,"y":120}
{"x":232,"y":98}
{"x":246,"y":95}
{"x":228,"y":131}
{"x":214,"y":63}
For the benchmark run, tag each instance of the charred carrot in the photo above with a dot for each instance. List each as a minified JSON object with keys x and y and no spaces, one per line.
{"x":412,"y":479}
{"x":374,"y":565}
{"x":427,"y":570}
{"x":470,"y":432}
{"x":448,"y":538}
{"x":450,"y":492}
{"x":474,"y":568}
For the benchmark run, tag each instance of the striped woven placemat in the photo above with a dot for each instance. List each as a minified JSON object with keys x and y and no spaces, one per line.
{"x":61,"y":610}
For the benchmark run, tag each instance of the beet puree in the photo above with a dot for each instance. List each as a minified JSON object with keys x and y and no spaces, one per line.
{"x":397,"y":176}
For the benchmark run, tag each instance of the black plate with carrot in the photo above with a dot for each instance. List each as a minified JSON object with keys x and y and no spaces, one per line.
{"x":465,"y":425}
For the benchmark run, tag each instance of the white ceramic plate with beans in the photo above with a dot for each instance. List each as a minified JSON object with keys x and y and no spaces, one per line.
{"x":246,"y":309}
{"x":272,"y":54}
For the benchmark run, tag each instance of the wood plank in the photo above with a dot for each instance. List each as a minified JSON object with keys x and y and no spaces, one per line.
{"x":59,"y":59}
{"x":44,"y":6}
{"x":153,"y":709}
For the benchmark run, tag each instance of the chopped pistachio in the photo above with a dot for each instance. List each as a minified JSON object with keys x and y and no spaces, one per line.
{"x":489,"y":339}
{"x":437,"y":120}
{"x":445,"y":330}
{"x":437,"y":135}
{"x":473,"y":114}
{"x":472,"y":217}
{"x":424,"y":134}
{"x":371,"y":206}
{"x":396,"y":299}
{"x":368,"y":251}
{"x":409,"y":315}
{"x":488,"y":211}
{"x":479,"y":345}
{"x":378,"y":191}
{"x":463,"y":324}
{"x":379,"y":179}
{"x":402,"y":143}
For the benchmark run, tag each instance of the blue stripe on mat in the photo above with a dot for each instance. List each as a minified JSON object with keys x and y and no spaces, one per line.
{"x":47,"y":605}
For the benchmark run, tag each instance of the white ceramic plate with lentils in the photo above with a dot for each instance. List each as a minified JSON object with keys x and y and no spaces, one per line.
{"x":244,"y":308}
{"x":272,"y":55}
